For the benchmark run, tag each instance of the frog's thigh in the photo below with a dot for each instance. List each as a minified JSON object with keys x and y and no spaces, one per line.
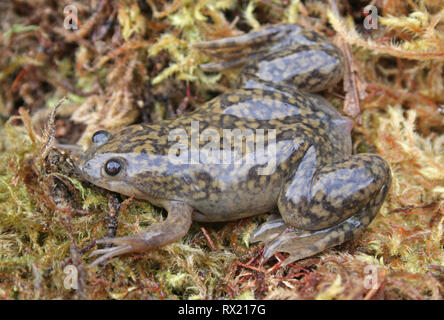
{"x":334,"y":193}
{"x":331,"y":206}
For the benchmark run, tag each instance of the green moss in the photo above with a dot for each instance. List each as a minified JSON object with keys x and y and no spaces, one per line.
{"x":141,"y":67}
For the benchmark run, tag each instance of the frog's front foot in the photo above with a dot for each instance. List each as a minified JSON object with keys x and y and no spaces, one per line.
{"x":172,"y":229}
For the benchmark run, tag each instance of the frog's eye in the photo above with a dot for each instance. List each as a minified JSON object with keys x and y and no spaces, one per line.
{"x":100,"y":137}
{"x":113,"y":167}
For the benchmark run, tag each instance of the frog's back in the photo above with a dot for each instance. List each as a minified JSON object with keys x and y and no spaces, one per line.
{"x":281,"y":127}
{"x":265,"y":109}
{"x":291,"y":113}
{"x":269,"y":106}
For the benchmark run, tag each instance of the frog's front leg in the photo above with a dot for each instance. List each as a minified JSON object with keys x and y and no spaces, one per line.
{"x":172,"y":229}
{"x":327,"y":206}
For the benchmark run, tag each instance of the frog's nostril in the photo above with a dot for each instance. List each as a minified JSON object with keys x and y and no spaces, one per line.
{"x":83,"y":168}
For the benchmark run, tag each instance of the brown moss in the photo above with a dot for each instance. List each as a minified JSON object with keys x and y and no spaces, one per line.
{"x":129,"y":63}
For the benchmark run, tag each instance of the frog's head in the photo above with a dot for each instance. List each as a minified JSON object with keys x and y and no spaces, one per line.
{"x":113,"y":163}
{"x":102,"y":166}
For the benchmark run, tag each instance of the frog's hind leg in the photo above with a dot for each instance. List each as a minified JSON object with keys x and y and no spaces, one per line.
{"x":277,"y":56}
{"x":302,"y":244}
{"x":338,"y":202}
{"x":236,"y":51}
{"x":252,"y":47}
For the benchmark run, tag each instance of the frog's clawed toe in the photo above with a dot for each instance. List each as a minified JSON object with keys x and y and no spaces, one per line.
{"x":236,"y":51}
{"x":279,"y":237}
{"x":269,"y":230}
{"x":300,"y":244}
{"x":244,"y":40}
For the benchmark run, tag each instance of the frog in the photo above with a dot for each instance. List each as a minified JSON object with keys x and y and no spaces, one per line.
{"x":298,"y":167}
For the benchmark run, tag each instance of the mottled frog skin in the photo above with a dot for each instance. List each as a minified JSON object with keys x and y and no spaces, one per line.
{"x":320,"y":193}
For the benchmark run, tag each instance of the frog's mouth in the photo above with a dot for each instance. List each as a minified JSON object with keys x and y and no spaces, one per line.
{"x":84,"y":168}
{"x":89,"y":167}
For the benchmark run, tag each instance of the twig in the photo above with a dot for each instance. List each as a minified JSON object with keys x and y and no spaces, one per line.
{"x":207,"y":236}
{"x":49,"y":134}
{"x":350,"y":81}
